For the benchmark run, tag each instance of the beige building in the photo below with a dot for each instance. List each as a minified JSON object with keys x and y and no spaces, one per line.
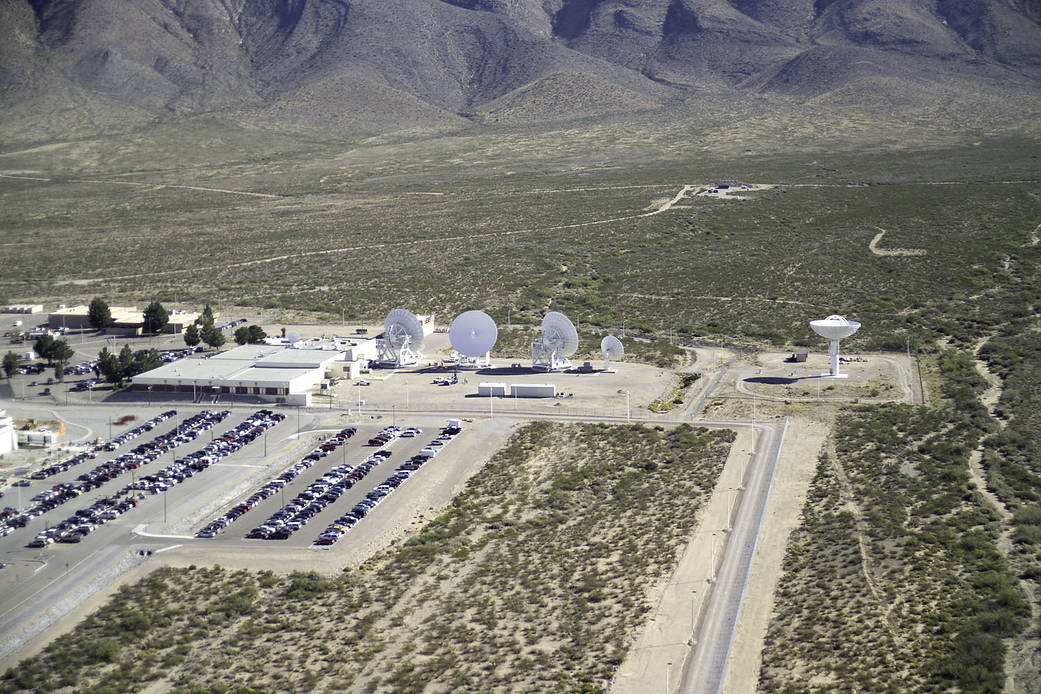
{"x":126,"y":320}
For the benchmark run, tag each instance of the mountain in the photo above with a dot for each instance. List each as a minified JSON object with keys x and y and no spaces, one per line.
{"x":377,"y":66}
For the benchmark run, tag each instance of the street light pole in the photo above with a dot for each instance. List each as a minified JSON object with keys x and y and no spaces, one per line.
{"x":668,"y":671}
{"x":628,"y":409}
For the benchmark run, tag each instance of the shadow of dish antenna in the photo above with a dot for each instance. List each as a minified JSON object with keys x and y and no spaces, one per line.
{"x":473,"y":334}
{"x":402,"y":342}
{"x":558,"y":341}
{"x":612,"y":348}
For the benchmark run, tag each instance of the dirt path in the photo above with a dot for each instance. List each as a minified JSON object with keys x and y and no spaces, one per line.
{"x":873,"y":247}
{"x":156,"y":186}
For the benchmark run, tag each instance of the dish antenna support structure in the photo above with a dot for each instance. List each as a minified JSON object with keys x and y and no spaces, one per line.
{"x":834,"y":329}
{"x":558,"y":341}
{"x":612,"y":348}
{"x":402,"y":343}
{"x":473,"y":334}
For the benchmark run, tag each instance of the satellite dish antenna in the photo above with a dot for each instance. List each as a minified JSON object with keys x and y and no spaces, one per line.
{"x":833,"y":329}
{"x":473,"y":334}
{"x":402,"y":342}
{"x":612,"y":348}
{"x":558,"y":341}
{"x":293,"y":337}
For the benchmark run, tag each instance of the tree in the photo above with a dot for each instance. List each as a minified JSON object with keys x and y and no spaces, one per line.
{"x":192,"y":336}
{"x":156,"y":317}
{"x":43,"y":346}
{"x":109,"y":366}
{"x":256,"y":334}
{"x":145,"y":360}
{"x":10,"y":363}
{"x":98,"y":314}
{"x":242,"y":335}
{"x":61,"y":354}
{"x":213,"y":336}
{"x":206,"y":318}
{"x":59,"y":373}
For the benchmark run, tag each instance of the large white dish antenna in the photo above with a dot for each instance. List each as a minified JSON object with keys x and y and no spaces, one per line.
{"x":473,"y":333}
{"x":402,"y":341}
{"x":558,"y":341}
{"x":612,"y":348}
{"x":834,"y":328}
{"x":558,"y":328}
{"x":293,"y":337}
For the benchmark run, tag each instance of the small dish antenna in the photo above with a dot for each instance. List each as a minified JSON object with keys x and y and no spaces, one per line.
{"x":612,"y":348}
{"x":833,"y":329}
{"x":473,"y":334}
{"x":293,"y":337}
{"x":402,"y":342}
{"x":558,"y":341}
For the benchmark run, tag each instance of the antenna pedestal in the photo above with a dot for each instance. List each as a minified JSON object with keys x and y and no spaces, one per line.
{"x":833,"y":355}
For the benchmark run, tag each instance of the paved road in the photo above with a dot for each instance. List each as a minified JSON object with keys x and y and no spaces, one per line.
{"x":705,"y":669}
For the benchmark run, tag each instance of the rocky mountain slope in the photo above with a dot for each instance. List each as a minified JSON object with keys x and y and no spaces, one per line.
{"x":381,"y":65}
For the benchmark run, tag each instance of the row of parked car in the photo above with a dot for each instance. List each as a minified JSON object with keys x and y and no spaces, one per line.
{"x":131,"y":434}
{"x":227,"y":443}
{"x":344,"y":523}
{"x":64,"y":465}
{"x":232,"y":324}
{"x":319,"y":494}
{"x":143,"y":454}
{"x":85,"y":521}
{"x":273,"y":486}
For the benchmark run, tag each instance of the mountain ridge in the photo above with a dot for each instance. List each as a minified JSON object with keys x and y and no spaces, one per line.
{"x":380,"y":66}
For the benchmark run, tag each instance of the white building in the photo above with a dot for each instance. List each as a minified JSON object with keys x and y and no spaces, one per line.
{"x":268,"y":372}
{"x":8,"y":434}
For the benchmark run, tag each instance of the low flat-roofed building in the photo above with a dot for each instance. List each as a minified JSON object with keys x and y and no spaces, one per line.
{"x":126,"y":320}
{"x":24,"y":308}
{"x":268,"y":372}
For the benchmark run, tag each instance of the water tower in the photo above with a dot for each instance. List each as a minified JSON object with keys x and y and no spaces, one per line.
{"x":833,"y":329}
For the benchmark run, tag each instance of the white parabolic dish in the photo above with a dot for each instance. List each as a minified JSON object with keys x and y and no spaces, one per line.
{"x":612,"y":347}
{"x":558,"y":328}
{"x":401,"y":322}
{"x":834,"y":327}
{"x":473,"y":333}
{"x":293,"y":337}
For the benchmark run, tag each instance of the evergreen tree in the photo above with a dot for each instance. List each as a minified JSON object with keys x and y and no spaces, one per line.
{"x":43,"y":346}
{"x":156,"y":317}
{"x":213,"y":336}
{"x":10,"y":363}
{"x":256,"y":334}
{"x":206,"y":319}
{"x":192,"y":336}
{"x":99,"y":314}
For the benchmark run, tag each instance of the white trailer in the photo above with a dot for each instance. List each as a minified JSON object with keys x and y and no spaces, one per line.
{"x":534,"y":390}
{"x":489,"y":389}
